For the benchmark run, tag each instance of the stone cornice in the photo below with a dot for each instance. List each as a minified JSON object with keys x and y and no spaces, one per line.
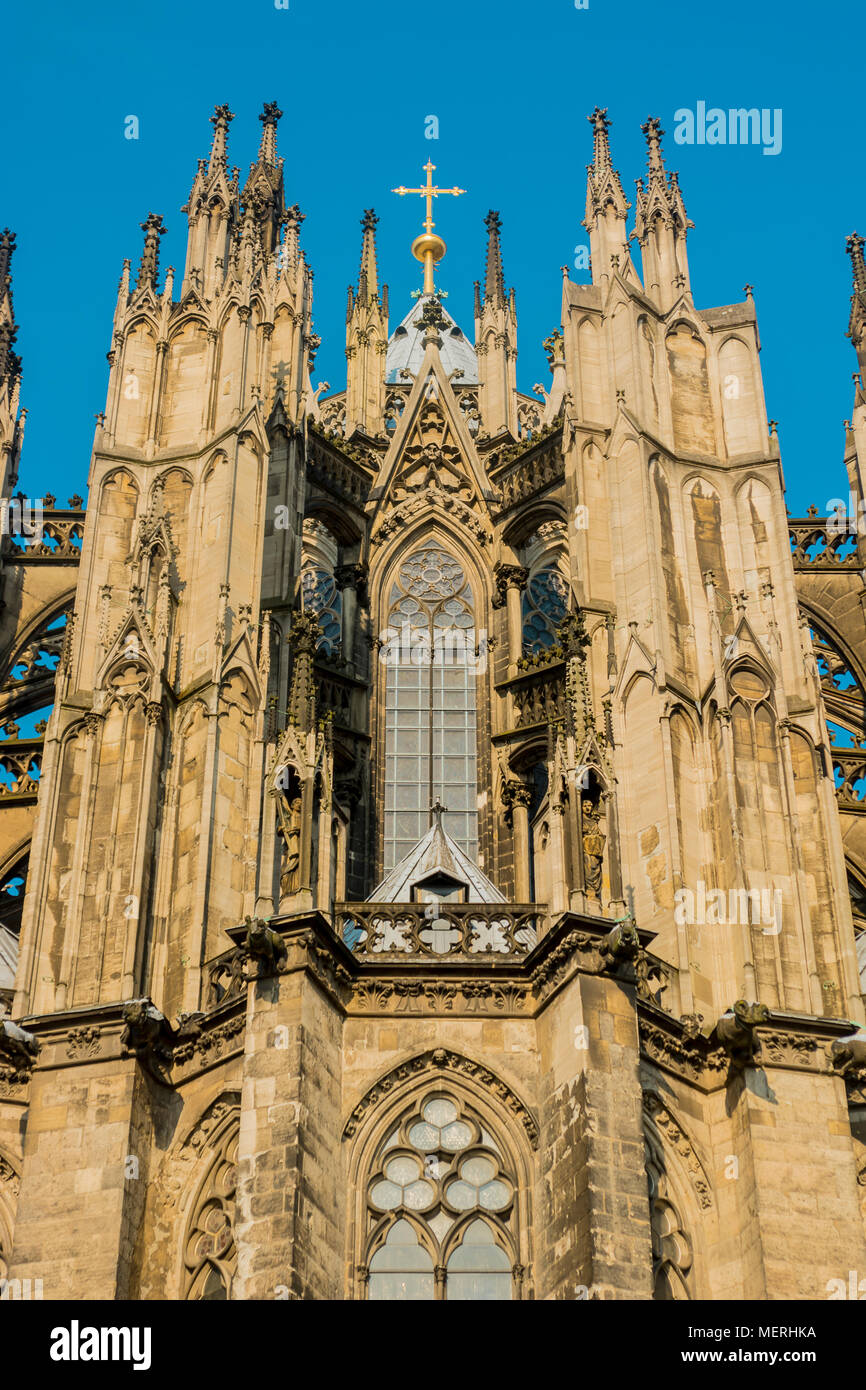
{"x":516,"y":986}
{"x":197,"y":1042}
{"x":695,"y":1053}
{"x":466,"y":986}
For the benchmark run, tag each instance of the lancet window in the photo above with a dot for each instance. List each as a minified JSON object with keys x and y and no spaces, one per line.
{"x":545,"y":604}
{"x":430,"y":702}
{"x":320,"y":594}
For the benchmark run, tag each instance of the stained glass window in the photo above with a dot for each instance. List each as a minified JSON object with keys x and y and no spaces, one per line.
{"x":430,"y":741}
{"x":440,"y":1198}
{"x":545,"y":604}
{"x":321,"y":596}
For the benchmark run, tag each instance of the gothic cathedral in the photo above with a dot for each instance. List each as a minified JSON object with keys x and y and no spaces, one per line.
{"x":433,"y":815}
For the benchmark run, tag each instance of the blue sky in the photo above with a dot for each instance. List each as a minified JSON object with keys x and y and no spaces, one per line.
{"x":511,"y":85}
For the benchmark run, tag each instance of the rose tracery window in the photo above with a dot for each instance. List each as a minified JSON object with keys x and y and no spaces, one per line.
{"x":430,"y":744}
{"x":440,"y":1210}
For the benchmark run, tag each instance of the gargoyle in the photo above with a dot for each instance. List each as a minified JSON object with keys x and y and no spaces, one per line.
{"x":849,"y":1054}
{"x":189,"y":1026}
{"x":622,"y":943}
{"x":263,"y":941}
{"x":148,"y":1036}
{"x":18,"y":1049}
{"x":735,"y":1031}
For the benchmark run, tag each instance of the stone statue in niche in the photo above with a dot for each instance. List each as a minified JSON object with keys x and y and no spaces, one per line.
{"x":290,"y":876}
{"x":593,"y":848}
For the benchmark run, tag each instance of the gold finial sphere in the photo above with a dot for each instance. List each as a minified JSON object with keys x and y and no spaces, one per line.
{"x":428,"y":244}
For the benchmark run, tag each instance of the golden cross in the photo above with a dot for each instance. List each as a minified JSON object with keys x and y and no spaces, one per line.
{"x":429,"y":192}
{"x":429,"y":247}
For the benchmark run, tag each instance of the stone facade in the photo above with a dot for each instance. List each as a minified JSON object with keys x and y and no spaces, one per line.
{"x":608,"y":1041}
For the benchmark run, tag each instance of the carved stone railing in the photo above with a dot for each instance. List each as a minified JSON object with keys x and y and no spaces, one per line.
{"x":37,"y":661}
{"x":333,"y":414}
{"x":55,"y":539}
{"x":337,"y":473}
{"x":523,"y":471}
{"x":815,"y":545}
{"x":662,"y":985}
{"x":849,"y":768}
{"x":334,"y":692}
{"x":224,"y":978}
{"x":538,"y":695}
{"x":444,"y":929}
{"x":19,"y":758}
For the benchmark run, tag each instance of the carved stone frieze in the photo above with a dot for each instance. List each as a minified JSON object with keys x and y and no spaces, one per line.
{"x":678,"y":1047}
{"x":83,"y":1043}
{"x":206,"y":1045}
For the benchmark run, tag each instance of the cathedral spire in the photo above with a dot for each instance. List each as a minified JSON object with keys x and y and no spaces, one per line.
{"x":268,"y":145}
{"x":11,"y":423}
{"x":494,"y":279}
{"x":661,"y":223}
{"x":606,"y":206}
{"x":496,"y":342}
{"x":212,"y":213}
{"x":366,"y":340}
{"x":368,"y":281}
{"x":263,"y":191}
{"x":220,"y":120}
{"x":148,"y":270}
{"x":857,"y":322}
{"x":292,"y":219}
{"x":9,"y":363}
{"x":603,"y":183}
{"x":653,"y":132}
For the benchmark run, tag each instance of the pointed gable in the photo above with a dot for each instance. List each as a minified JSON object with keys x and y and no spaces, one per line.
{"x":432,"y":461}
{"x":435,"y":857}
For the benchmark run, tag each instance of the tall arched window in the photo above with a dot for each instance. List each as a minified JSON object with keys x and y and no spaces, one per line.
{"x":12,"y":888}
{"x":319,"y":592}
{"x":430,"y":739}
{"x":210,"y":1257}
{"x":545,"y":605}
{"x":441,"y":1209}
{"x":320,"y":596}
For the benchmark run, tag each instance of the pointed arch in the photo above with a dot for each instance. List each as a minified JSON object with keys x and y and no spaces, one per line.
{"x":10,"y":1181}
{"x":690,"y":388}
{"x":738,"y":381}
{"x":590,"y":349}
{"x":440,"y":1143}
{"x":429,"y":630}
{"x":682,"y":1204}
{"x":190,"y":1170}
{"x":28,"y":674}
